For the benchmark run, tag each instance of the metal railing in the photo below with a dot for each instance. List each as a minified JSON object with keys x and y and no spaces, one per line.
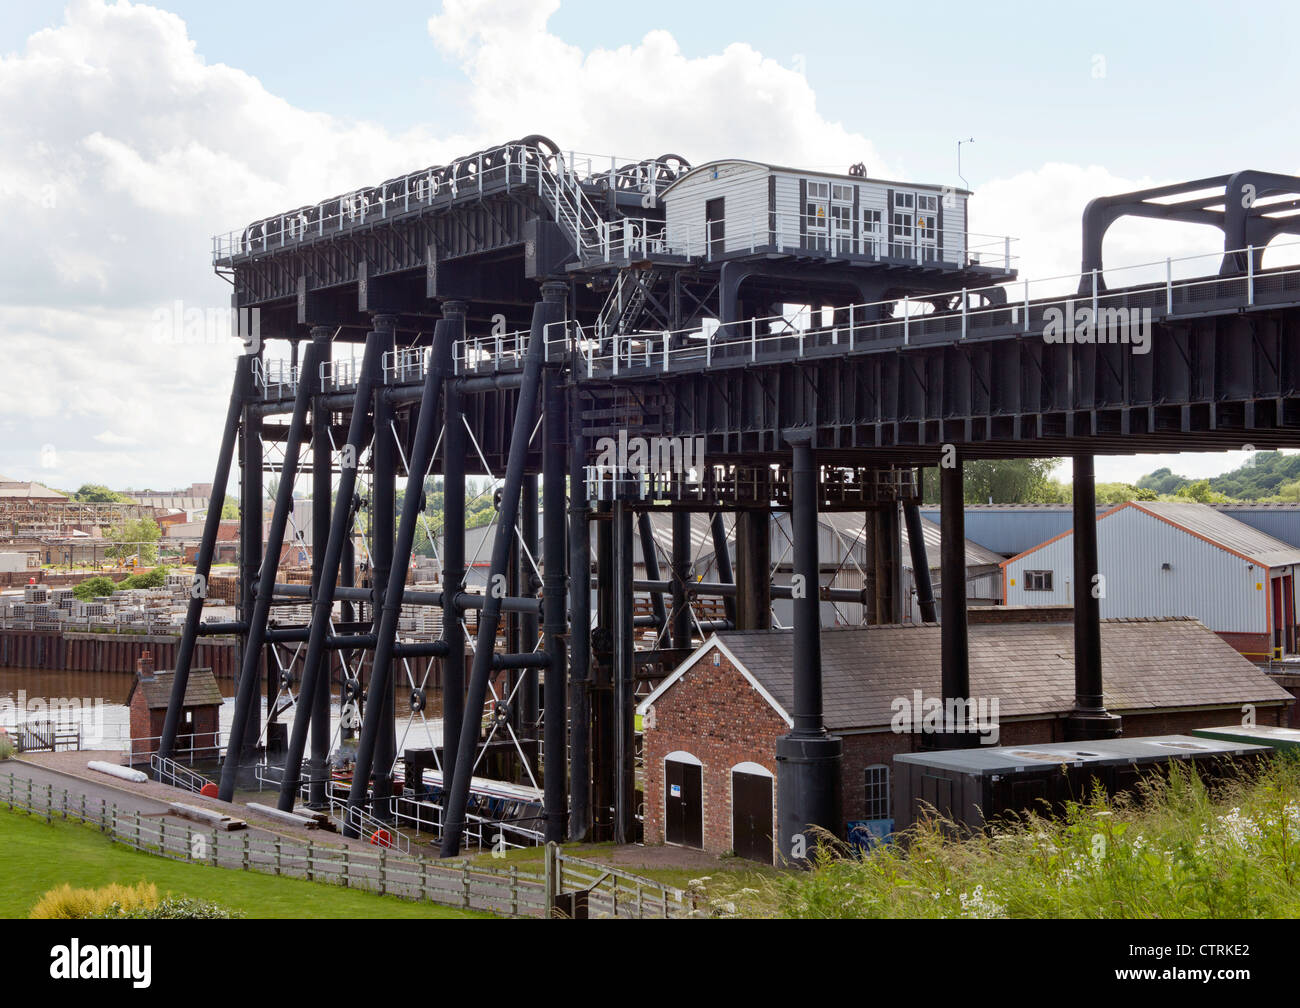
{"x":1026,"y":306}
{"x":168,"y":771}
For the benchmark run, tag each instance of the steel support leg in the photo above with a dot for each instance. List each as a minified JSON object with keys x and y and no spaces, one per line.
{"x":554,"y":463}
{"x":377,"y":713}
{"x":920,"y":562}
{"x":681,"y":617}
{"x":527,"y":580}
{"x":323,"y":603}
{"x":256,"y":638}
{"x":383,"y":504}
{"x":722,"y":560}
{"x":623,"y":706}
{"x":322,"y":482}
{"x":953,"y":632}
{"x":808,"y":759}
{"x":454,"y":449}
{"x":650,"y":557}
{"x":580,"y":816}
{"x":1089,"y":719}
{"x":251,"y":494}
{"x":551,"y":309}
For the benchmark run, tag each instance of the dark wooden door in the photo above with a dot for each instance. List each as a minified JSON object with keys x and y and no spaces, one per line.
{"x":716,"y":224}
{"x":684,"y":804}
{"x":751,"y":816}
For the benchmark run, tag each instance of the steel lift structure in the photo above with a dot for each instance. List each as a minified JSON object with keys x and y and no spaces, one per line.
{"x":502,"y":315}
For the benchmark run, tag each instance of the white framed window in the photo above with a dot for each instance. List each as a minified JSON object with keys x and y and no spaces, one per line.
{"x":817,"y":214}
{"x":842,"y":193}
{"x":1038,"y":580}
{"x":877,"y":792}
{"x":872,"y":230}
{"x":905,"y":200}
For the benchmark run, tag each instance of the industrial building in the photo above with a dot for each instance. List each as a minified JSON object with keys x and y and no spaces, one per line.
{"x":1160,"y":559}
{"x":711,"y":728}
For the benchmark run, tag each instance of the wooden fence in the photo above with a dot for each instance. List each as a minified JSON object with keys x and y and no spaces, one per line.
{"x":503,"y":890}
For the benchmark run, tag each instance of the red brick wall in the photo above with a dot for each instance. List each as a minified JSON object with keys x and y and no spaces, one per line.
{"x":1253,"y":646}
{"x":715,"y":715}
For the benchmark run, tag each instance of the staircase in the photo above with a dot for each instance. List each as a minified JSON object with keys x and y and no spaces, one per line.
{"x":626,"y":305}
{"x":562,"y":192}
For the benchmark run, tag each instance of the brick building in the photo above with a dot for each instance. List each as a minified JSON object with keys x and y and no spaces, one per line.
{"x":200,"y":725}
{"x":710,"y":729}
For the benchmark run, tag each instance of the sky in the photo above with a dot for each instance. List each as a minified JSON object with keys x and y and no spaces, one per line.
{"x":132,"y":133}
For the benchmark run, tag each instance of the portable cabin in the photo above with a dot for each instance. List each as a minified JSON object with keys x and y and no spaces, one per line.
{"x":736,"y":206}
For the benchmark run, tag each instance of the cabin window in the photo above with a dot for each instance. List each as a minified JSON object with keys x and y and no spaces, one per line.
{"x":871,"y":231}
{"x":927,"y":226}
{"x":1038,"y":580}
{"x":877,"y":797}
{"x":816,"y":215}
{"x":842,"y":193}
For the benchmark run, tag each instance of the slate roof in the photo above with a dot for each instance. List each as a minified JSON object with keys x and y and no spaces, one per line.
{"x":1147,"y":664}
{"x":200,"y":691}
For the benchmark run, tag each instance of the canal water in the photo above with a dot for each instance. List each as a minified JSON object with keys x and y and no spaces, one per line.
{"x":94,"y":703}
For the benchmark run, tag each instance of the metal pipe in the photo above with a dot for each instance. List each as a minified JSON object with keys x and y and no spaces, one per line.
{"x":527,"y":581}
{"x":624,"y":701}
{"x":550,"y":309}
{"x":681,"y":615}
{"x":241,"y":389}
{"x":251,"y":494}
{"x":383,"y":518}
{"x":322,"y":479}
{"x":323,"y":605}
{"x":248,"y":675}
{"x":920,"y":562}
{"x":807,"y":606}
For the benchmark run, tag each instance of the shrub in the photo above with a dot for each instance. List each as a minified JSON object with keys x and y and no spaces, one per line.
{"x":6,"y":745}
{"x":180,"y":908}
{"x":155,"y":578}
{"x":94,"y":587}
{"x":66,"y":903}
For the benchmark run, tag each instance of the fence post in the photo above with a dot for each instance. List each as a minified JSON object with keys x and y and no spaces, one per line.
{"x":464,"y":884}
{"x":311,"y":872}
{"x":383,"y":872}
{"x":49,"y":803}
{"x":514,"y":890}
{"x":247,"y":859}
{"x":345,"y":870}
{"x":277,"y":855}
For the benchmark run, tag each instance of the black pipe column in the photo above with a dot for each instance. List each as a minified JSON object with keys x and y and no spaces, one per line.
{"x":526,"y":578}
{"x":251,"y":494}
{"x":920,"y":561}
{"x":322,"y":482}
{"x":374,"y":751}
{"x":808,"y":759}
{"x":1089,"y":719}
{"x":455,"y":445}
{"x":680,"y":619}
{"x":650,"y":557}
{"x":722,"y":561}
{"x":754,"y":560}
{"x":257,"y":618}
{"x":603,"y":741}
{"x":954,"y":642}
{"x":623,"y":705}
{"x":554,"y":584}
{"x":383,"y":519}
{"x":241,"y":389}
{"x":580,"y":818}
{"x":550,"y":309}
{"x":340,"y":529}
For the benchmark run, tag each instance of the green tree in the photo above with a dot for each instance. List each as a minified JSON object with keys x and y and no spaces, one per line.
{"x":97,"y":493}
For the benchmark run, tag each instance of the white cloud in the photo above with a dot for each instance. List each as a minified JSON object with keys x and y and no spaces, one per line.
{"x":122,"y":151}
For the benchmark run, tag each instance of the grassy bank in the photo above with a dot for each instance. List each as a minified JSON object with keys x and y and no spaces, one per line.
{"x":36,"y":856}
{"x":1175,"y":850}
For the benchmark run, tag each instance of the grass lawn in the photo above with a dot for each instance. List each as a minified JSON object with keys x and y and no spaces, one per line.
{"x":36,"y":856}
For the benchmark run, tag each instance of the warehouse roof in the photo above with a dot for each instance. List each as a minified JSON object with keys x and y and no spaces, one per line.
{"x":1028,"y":667}
{"x":200,"y":691}
{"x":1207,"y":523}
{"x":976,"y":555}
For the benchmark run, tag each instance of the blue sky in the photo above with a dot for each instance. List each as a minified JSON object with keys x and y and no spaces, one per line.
{"x":156,"y":132}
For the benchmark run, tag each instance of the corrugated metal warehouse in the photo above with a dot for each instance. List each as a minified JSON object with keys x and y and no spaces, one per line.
{"x":1161,"y":559}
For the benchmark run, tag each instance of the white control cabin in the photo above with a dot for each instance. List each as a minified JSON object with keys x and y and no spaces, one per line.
{"x":741,"y":206}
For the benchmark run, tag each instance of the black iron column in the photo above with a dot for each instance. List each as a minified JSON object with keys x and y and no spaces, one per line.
{"x":1089,"y":719}
{"x":754,"y":560}
{"x":808,"y":759}
{"x":322,"y":485}
{"x":251,"y":495}
{"x":340,"y":529}
{"x":681,"y":614}
{"x":603,"y":751}
{"x":554,"y":463}
{"x":623,"y":705}
{"x":722,"y":560}
{"x":953,"y":633}
{"x":526,"y":577}
{"x":383,"y":519}
{"x":920,"y":561}
{"x":373,"y":753}
{"x":454,"y":448}
{"x":550,"y":309}
{"x":580,"y":819}
{"x":650,"y":557}
{"x":256,"y":635}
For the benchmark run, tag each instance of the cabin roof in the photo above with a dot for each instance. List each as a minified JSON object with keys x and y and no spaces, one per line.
{"x":836,"y":176}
